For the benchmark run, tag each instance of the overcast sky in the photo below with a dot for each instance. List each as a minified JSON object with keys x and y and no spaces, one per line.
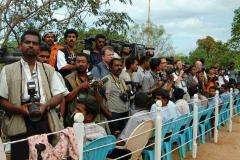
{"x":185,"y":20}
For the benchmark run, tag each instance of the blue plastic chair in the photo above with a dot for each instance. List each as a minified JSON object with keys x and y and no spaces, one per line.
{"x":177,"y":136}
{"x":224,"y":115}
{"x":100,"y":153}
{"x":149,"y":153}
{"x":205,"y":125}
{"x":237,"y":105}
{"x":188,"y":132}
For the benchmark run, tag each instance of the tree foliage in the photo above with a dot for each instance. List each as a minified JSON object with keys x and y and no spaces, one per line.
{"x":234,"y":42}
{"x":213,"y":51}
{"x":18,"y":15}
{"x":159,"y":39}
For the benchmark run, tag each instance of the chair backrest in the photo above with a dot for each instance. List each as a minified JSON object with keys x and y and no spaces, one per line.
{"x":210,"y":111}
{"x":179,"y":123}
{"x":100,"y":153}
{"x":166,"y":127}
{"x":141,"y":135}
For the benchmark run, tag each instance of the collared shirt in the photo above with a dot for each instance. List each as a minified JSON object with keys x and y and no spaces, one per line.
{"x":133,"y":122}
{"x":139,"y":75}
{"x":93,"y":131}
{"x":100,"y":70}
{"x":56,"y":84}
{"x":182,"y":84}
{"x":114,"y":88}
{"x":149,"y":81}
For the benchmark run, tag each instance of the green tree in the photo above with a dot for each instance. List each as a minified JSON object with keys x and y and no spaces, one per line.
{"x":234,"y":42}
{"x":214,"y":52}
{"x":18,"y":15}
{"x":159,"y":39}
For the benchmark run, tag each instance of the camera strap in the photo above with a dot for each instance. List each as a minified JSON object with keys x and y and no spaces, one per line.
{"x":119,"y":84}
{"x":21,"y":88}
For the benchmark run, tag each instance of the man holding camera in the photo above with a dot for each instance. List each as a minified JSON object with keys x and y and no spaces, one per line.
{"x":29,"y":92}
{"x":117,"y":97}
{"x":66,"y":56}
{"x":80,"y":84}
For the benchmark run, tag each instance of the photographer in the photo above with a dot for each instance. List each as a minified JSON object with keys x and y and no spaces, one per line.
{"x":117,"y":97}
{"x":79,"y":85}
{"x":165,"y":74}
{"x":29,"y":92}
{"x":151,"y":80}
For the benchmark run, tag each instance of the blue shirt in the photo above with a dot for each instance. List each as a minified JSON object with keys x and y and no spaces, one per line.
{"x":100,"y":70}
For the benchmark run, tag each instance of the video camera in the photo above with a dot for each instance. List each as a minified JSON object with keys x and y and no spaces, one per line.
{"x":93,"y":82}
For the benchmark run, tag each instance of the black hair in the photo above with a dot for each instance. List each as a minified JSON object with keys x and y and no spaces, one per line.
{"x":129,"y":61}
{"x":83,"y":55}
{"x":178,"y":93}
{"x":141,"y":100}
{"x":45,"y":47}
{"x":91,"y":105}
{"x":144,"y":59}
{"x":100,"y":36}
{"x":103,"y":50}
{"x":163,"y":93}
{"x":112,"y":61}
{"x":154,"y":63}
{"x":31,"y":32}
{"x":192,"y":91}
{"x":70,"y":31}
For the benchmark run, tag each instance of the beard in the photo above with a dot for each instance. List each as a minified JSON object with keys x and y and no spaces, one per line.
{"x":29,"y":54}
{"x":81,"y":70}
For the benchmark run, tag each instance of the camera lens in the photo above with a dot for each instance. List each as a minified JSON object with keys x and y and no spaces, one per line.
{"x":34,"y":113}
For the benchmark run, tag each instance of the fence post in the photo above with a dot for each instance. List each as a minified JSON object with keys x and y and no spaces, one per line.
{"x":231,"y":110}
{"x":195,"y":126}
{"x":216,"y":117}
{"x":78,"y":127}
{"x":158,"y":131}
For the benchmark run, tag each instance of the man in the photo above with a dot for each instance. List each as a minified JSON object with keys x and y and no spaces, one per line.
{"x":142,"y":114}
{"x":43,"y":57}
{"x":117,"y":97}
{"x":223,"y":79}
{"x":16,"y":81}
{"x":151,"y":81}
{"x":49,"y":38}
{"x":143,"y":68}
{"x":95,"y":55}
{"x":90,"y":109}
{"x":169,"y":110}
{"x":167,"y":78}
{"x":127,"y":75}
{"x":78,"y":83}
{"x":199,"y":66}
{"x":44,"y":53}
{"x":66,"y":56}
{"x":102,"y":69}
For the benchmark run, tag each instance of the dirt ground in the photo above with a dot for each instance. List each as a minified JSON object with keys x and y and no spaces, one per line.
{"x":227,"y":148}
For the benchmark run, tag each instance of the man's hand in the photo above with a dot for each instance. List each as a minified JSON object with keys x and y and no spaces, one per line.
{"x":25,"y":109}
{"x":85,"y":85}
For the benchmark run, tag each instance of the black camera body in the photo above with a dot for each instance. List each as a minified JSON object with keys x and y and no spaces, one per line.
{"x":124,"y":97}
{"x":34,"y":111}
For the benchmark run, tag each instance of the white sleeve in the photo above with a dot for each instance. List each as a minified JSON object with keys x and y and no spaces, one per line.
{"x":3,"y":84}
{"x":57,"y":86}
{"x":61,"y":61}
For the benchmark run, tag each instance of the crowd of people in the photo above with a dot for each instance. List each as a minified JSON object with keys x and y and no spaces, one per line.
{"x":42,"y":92}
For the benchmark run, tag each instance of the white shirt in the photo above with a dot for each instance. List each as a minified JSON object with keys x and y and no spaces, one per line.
{"x":182,"y":84}
{"x":221,"y":81}
{"x":165,"y":113}
{"x":93,"y":131}
{"x":61,"y":60}
{"x":56,"y":84}
{"x":133,"y":122}
{"x":182,"y":107}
